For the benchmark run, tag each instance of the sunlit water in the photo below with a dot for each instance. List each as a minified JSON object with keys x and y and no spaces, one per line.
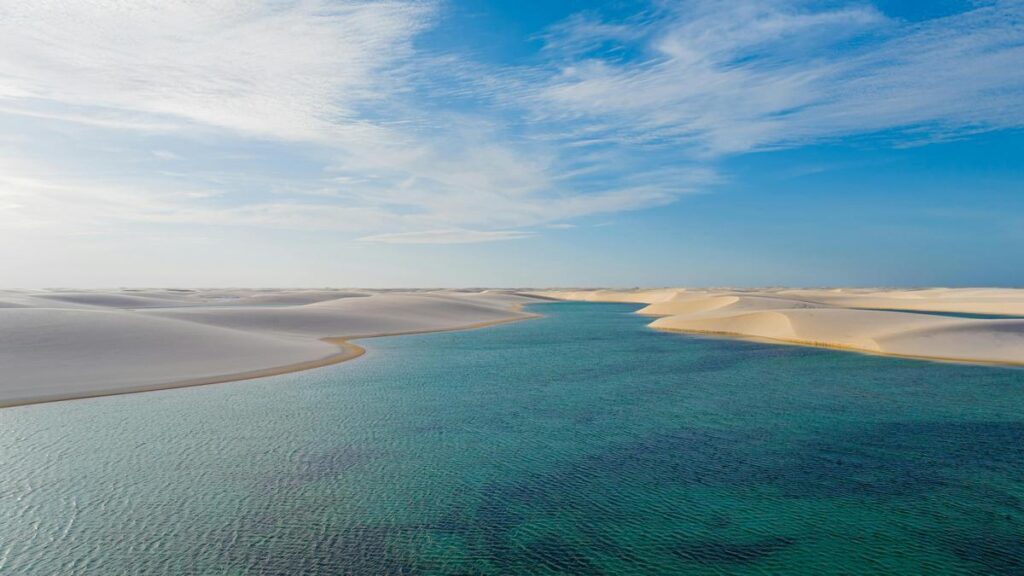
{"x":582,"y":442}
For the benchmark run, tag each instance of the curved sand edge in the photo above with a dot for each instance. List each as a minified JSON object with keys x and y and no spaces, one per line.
{"x":347,"y":351}
{"x":840,"y":347}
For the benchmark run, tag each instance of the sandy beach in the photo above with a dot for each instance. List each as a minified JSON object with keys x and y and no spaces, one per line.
{"x":57,"y":345}
{"x":910,"y":323}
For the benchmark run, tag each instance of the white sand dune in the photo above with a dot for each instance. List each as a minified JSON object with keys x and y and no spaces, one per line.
{"x":351,"y":317}
{"x":867,"y":320}
{"x":53,"y":353}
{"x":64,"y":344}
{"x":649,"y":296}
{"x":56,"y":345}
{"x":999,"y":301}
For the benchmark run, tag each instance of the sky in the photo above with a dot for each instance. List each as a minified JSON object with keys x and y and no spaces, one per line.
{"x":511,"y":143}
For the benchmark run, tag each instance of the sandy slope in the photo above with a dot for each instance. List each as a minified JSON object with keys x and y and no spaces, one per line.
{"x":878,"y":321}
{"x":63,"y":344}
{"x":351,"y":317}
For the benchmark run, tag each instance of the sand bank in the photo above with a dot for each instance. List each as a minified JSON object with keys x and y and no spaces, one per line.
{"x":57,"y":345}
{"x":866,"y":320}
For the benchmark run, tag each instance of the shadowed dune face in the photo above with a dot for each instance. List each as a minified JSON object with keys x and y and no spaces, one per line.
{"x":62,"y":344}
{"x":879,"y":321}
{"x":989,"y":340}
{"x":111,"y":300}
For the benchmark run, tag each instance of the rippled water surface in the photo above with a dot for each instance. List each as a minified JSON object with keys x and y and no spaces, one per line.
{"x":578,"y":443}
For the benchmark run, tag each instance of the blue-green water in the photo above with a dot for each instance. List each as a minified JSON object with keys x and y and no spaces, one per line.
{"x":578,"y":443}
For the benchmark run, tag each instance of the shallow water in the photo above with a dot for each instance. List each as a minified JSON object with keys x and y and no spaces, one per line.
{"x":579,"y":443}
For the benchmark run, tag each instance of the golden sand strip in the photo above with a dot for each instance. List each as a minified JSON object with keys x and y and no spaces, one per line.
{"x":840,"y":347}
{"x":348,"y":351}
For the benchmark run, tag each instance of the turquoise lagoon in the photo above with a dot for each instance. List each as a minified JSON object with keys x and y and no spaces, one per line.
{"x":579,"y":443}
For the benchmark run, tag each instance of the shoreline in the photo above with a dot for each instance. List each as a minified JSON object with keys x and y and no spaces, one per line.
{"x":939,"y":326}
{"x":838,"y":347}
{"x":347,"y":351}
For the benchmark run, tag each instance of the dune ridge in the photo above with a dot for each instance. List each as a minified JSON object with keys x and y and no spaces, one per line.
{"x":57,"y":345}
{"x":906,"y":323}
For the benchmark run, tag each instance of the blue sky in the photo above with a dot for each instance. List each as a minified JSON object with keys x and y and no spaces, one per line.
{"x":501,"y":143}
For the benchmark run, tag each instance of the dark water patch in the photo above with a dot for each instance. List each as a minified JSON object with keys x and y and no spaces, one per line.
{"x":683,"y":456}
{"x":725,"y":553}
{"x":901,"y":458}
{"x":993,"y":554}
{"x":318,"y":466}
{"x":552,"y":553}
{"x":686,"y":456}
{"x":886,"y":460}
{"x":723,"y":354}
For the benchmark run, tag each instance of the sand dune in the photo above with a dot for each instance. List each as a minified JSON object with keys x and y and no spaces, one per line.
{"x":56,"y":345}
{"x":999,"y":301}
{"x":648,"y":296}
{"x":53,"y":353}
{"x":159,"y":298}
{"x":107,"y":300}
{"x":376,"y":314}
{"x":867,"y":320}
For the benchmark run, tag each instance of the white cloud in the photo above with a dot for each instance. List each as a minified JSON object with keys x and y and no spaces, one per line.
{"x":730,"y":77}
{"x":454,"y":236}
{"x":316,"y":115}
{"x":336,"y":79}
{"x":279,"y":69}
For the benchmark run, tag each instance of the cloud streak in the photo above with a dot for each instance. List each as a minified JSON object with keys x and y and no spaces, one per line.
{"x":733,"y":77}
{"x":288,"y":70}
{"x":332,"y":116}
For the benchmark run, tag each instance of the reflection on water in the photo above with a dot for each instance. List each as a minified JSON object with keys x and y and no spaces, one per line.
{"x":579,"y":443}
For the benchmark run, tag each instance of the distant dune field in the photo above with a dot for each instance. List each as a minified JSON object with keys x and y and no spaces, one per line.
{"x":66,"y":344}
{"x":920,"y":323}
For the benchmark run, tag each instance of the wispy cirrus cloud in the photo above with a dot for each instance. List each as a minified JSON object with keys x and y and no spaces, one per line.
{"x":331,"y":116}
{"x":731,"y":77}
{"x":336,"y":82}
{"x":288,"y":70}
